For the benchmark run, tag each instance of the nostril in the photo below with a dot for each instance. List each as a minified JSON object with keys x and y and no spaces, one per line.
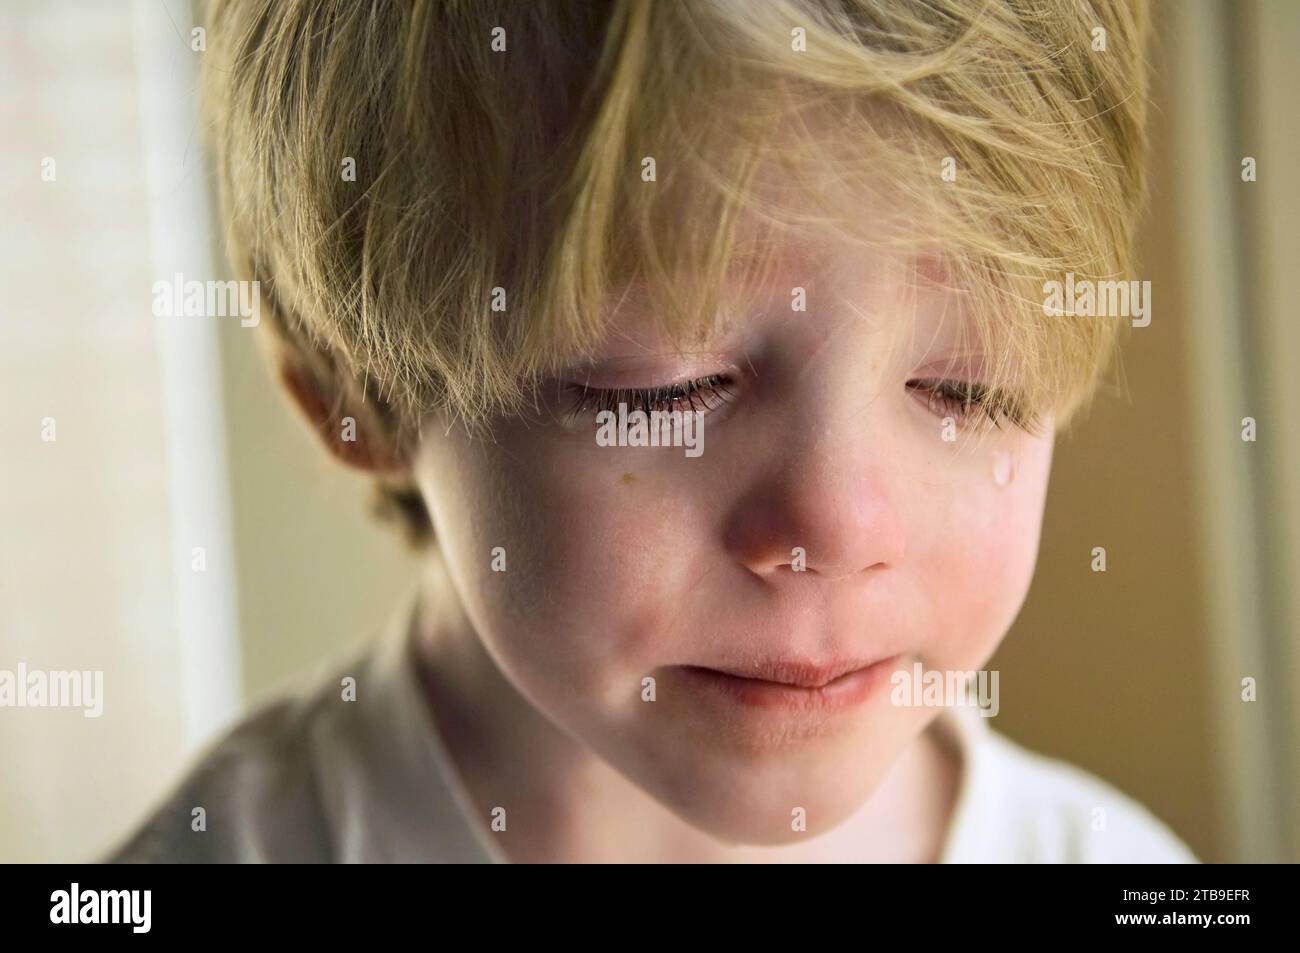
{"x":830,"y":572}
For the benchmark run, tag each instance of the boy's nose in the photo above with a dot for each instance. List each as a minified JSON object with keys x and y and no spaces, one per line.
{"x":832,"y":513}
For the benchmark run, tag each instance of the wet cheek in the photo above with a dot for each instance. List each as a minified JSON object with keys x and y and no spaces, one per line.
{"x":978,"y":576}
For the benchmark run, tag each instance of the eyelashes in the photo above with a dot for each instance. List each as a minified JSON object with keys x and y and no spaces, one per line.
{"x":965,"y":401}
{"x":704,"y":394}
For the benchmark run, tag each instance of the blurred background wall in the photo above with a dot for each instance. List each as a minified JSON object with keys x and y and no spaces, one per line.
{"x":168,"y":436}
{"x":171,"y":438}
{"x":1136,"y":673}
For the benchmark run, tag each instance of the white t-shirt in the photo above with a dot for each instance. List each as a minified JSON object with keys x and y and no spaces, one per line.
{"x":312,"y":777}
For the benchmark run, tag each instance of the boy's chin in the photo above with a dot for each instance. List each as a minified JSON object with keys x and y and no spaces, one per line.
{"x":777,"y":807}
{"x":777,"y":821}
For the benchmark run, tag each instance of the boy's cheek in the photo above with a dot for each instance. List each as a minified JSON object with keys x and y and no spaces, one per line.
{"x":592,"y":555}
{"x":979,"y":578}
{"x":604,"y":561}
{"x":624,"y":555}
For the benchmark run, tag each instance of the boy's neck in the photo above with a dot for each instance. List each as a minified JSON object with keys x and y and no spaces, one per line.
{"x":566,"y":804}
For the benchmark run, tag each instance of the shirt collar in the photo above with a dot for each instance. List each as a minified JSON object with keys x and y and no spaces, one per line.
{"x":974,"y":834}
{"x":390,"y":787}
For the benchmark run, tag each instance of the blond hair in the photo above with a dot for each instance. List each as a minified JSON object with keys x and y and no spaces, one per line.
{"x":480,"y":168}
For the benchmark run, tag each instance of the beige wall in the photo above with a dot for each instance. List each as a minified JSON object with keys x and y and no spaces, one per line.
{"x":86,"y":562}
{"x":316,"y":574}
{"x":1136,"y":673}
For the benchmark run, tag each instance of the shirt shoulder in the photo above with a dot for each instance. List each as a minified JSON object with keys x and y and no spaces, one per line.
{"x":250,"y":796}
{"x":1051,"y":811}
{"x":348,"y":768}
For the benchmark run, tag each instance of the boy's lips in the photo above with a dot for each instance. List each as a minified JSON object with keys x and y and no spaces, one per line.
{"x":793,"y":686}
{"x":793,"y":672}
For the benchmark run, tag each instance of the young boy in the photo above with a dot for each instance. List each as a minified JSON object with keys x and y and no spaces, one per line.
{"x":498,"y":241}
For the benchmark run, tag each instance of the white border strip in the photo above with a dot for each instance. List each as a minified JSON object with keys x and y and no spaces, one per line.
{"x":180,"y":221}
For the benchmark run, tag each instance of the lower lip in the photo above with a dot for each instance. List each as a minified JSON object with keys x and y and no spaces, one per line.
{"x":847,"y":691}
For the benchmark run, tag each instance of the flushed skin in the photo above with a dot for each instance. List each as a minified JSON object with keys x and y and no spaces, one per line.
{"x":624,"y":563}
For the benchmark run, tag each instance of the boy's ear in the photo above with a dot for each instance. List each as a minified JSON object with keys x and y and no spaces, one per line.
{"x":342,"y":433}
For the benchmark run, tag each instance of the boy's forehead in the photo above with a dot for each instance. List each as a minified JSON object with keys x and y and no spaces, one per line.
{"x":803,"y":227}
{"x":825,"y":275}
{"x":813,"y":207}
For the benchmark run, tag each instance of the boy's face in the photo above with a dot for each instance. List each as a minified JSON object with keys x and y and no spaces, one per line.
{"x":630,"y":563}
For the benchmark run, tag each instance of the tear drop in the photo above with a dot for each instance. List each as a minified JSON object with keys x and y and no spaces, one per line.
{"x":1004,"y":468}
